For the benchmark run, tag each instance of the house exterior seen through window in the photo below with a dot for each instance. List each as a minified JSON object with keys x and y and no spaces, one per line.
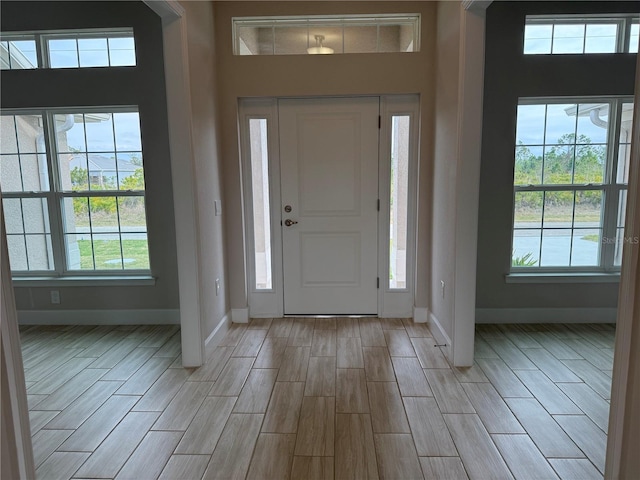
{"x":73,"y":191}
{"x":570,"y":183}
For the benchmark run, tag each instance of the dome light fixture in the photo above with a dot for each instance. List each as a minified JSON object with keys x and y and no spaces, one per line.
{"x":319,"y":48}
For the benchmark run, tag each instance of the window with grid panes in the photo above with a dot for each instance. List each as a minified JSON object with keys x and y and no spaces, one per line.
{"x":570,"y":182}
{"x":73,"y":191}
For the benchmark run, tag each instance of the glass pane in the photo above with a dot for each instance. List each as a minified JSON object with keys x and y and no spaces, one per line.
{"x":528,"y":210}
{"x":633,"y":38}
{"x":530,"y":125}
{"x":99,"y":131}
{"x":292,"y":40}
{"x":526,"y":248}
{"x":36,"y":215}
{"x":63,"y":53}
{"x":103,"y":174}
{"x":361,"y":39}
{"x":127,"y":131}
{"x":107,"y":251}
{"x":254,"y":40}
{"x":622,"y":209}
{"x":260,"y":192}
{"x":601,"y":38}
{"x":8,"y":139}
{"x":122,"y":52}
{"x":585,"y":249}
{"x":4,"y":56}
{"x":617,"y":259}
{"x":17,"y":252}
{"x":10,"y":174}
{"x":558,"y":209}
{"x":30,"y":252}
{"x":75,"y":216}
{"x":390,"y":39}
{"x":568,"y":38}
{"x":624,"y":155}
{"x":21,"y":54}
{"x":93,"y":52}
{"x":132,"y":214}
{"x":70,"y":133}
{"x":130,"y":171}
{"x":24,"y":173}
{"x":561,"y":124}
{"x":558,"y":164}
{"x":537,"y":39}
{"x":104,"y":214}
{"x":13,"y":215}
{"x":135,"y":251}
{"x":332,"y":37}
{"x":30,"y":134}
{"x":40,"y":252}
{"x":591,"y":162}
{"x":556,"y":247}
{"x":593,"y":123}
{"x":588,"y":209}
{"x":74,"y":171}
{"x":398,"y":221}
{"x":528,"y":166}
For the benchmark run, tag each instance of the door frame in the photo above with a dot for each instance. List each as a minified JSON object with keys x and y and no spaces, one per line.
{"x":397,"y":303}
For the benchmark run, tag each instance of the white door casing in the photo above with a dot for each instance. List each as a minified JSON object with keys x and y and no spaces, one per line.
{"x":329,"y":178}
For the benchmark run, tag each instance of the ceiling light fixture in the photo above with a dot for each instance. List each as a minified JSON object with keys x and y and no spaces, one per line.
{"x":319,"y":48}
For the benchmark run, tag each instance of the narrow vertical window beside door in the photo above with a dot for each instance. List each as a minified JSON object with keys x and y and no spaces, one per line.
{"x":400,"y":128}
{"x":260,"y":194}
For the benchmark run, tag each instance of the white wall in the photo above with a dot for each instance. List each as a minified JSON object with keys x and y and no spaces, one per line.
{"x":309,"y":75}
{"x":445,"y":159}
{"x":208,"y":166}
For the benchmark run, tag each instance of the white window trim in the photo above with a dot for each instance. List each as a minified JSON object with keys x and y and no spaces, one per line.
{"x":391,"y":302}
{"x":42,"y":38}
{"x":624,"y":21}
{"x":606,"y":271}
{"x":319,"y":21}
{"x":262,"y":302}
{"x":60,"y":275}
{"x":397,"y":302}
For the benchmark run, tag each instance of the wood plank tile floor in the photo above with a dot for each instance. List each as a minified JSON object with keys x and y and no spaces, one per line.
{"x":319,"y":398}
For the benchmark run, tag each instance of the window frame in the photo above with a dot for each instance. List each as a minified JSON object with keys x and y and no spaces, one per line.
{"x":623,"y":34}
{"x":609,"y":187}
{"x":42,"y":37}
{"x":328,"y":21}
{"x":61,"y":274}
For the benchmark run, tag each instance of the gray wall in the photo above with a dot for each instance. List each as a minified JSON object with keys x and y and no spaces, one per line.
{"x":142,"y":85}
{"x":508,"y":75}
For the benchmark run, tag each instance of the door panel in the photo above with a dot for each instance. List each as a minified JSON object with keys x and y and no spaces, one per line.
{"x":329,"y":178}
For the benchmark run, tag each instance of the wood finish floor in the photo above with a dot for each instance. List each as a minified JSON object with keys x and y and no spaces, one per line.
{"x":319,"y":399}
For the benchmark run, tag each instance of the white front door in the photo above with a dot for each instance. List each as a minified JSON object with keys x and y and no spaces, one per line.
{"x":329,"y":191}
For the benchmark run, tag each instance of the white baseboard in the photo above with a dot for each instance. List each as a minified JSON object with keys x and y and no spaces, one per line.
{"x":440,"y":336}
{"x":420,"y":314}
{"x":240,"y":315}
{"x":99,"y":317}
{"x":546,"y":315}
{"x":219,"y":332}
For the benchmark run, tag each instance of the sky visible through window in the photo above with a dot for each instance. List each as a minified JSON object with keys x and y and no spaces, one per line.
{"x":67,"y":50}
{"x":572,"y":36}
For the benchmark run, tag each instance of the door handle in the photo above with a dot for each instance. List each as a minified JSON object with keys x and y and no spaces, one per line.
{"x":288,"y":222}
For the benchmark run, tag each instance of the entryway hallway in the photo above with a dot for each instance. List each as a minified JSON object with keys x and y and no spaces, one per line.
{"x":319,"y":398}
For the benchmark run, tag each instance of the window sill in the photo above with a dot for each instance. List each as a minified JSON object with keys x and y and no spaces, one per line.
{"x":569,"y":277}
{"x":85,"y":281}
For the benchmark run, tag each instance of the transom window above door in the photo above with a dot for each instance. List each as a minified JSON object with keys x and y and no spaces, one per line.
{"x":312,"y":34}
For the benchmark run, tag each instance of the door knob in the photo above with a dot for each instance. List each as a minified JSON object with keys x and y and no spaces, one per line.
{"x":288,"y":222}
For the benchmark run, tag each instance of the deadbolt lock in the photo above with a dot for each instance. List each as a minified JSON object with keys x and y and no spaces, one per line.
{"x":287,"y":208}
